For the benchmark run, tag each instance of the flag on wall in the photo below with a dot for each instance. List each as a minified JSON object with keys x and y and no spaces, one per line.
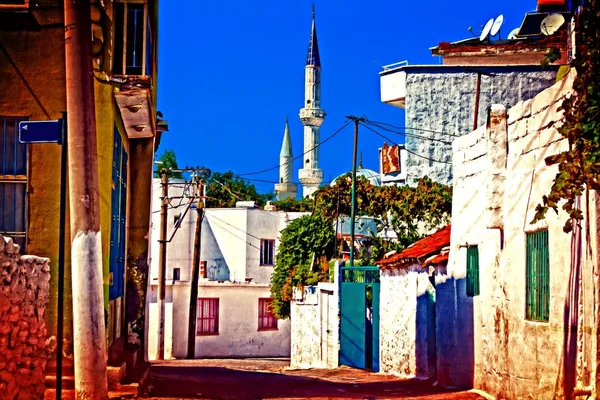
{"x":390,"y":158}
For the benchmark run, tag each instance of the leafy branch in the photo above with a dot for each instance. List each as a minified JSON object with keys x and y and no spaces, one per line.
{"x":579,"y":167}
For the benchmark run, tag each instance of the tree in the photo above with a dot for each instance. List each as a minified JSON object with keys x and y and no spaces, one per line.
{"x":225,"y":189}
{"x":294,"y":205}
{"x":169,"y":161}
{"x":405,"y":209}
{"x":306,"y":245}
{"x":579,"y":167}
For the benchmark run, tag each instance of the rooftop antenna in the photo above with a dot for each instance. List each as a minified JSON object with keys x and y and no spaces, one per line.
{"x":313,"y":11}
{"x":486,"y":30}
{"x":470,"y":29}
{"x":513,"y":34}
{"x":551,"y":24}
{"x":496,"y":26}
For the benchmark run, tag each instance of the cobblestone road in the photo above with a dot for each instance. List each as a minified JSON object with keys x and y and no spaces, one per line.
{"x":273,"y":379}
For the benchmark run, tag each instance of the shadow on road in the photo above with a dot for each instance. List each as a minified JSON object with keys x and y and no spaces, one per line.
{"x":202,"y":382}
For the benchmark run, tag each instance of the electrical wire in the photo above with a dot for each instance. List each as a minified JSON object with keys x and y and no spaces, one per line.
{"x":409,"y":134}
{"x":413,"y":129}
{"x":297,"y":157}
{"x":408,"y":151}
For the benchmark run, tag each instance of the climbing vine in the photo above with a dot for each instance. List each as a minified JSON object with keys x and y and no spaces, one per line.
{"x":579,"y":167}
{"x":306,"y":245}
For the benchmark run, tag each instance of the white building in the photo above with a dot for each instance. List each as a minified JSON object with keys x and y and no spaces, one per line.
{"x":527,"y":328}
{"x":238,"y":247}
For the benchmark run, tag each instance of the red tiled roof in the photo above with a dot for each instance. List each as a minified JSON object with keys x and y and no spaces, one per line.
{"x":421,"y":250}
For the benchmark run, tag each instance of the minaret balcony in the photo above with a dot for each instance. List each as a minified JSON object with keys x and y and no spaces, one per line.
{"x":310,"y":176}
{"x":312,"y":116}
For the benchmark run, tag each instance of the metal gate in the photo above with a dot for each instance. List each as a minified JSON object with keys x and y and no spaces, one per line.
{"x":359,"y":317}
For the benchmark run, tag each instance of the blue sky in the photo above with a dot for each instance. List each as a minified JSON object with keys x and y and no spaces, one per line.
{"x":231,"y":71}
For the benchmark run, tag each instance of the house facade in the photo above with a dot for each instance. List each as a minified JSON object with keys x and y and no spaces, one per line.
{"x":448,"y":100}
{"x":32,"y":72}
{"x":529,"y":328}
{"x":238,"y":248}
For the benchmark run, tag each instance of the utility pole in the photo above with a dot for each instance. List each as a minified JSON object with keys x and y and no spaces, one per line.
{"x":191,"y":349}
{"x":353,"y":206}
{"x":162,"y":262}
{"x":89,"y":341}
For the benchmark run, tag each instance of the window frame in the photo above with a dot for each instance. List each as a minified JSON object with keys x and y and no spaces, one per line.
{"x":19,"y":237}
{"x":537,"y":276}
{"x":472,"y":279}
{"x":270,"y":262}
{"x":146,"y":33}
{"x":201,"y":318}
{"x":267,"y":321}
{"x":24,"y":6}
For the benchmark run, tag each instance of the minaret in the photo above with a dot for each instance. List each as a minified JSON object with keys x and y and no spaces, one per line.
{"x":285,"y":188}
{"x":312,"y":117}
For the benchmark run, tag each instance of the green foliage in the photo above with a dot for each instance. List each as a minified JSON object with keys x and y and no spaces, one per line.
{"x":294,"y":205}
{"x":579,"y":167}
{"x":402,"y":208}
{"x":305,"y":241}
{"x":225,"y":189}
{"x":169,"y":161}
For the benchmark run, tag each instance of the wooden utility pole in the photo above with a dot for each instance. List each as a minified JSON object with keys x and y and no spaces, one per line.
{"x":89,"y":341}
{"x":353,"y":206}
{"x":162,"y":262}
{"x":191,"y":349}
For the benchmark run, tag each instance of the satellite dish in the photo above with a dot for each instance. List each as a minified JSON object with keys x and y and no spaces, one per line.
{"x":513,"y":34}
{"x":486,"y":30}
{"x":551,"y":24}
{"x":497,"y":25}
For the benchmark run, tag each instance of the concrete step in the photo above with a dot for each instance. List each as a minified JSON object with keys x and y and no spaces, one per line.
{"x":68,"y":382}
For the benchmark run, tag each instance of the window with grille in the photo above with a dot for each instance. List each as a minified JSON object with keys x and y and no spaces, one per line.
{"x":537,"y":277}
{"x":267,"y":247}
{"x":208,"y":316}
{"x":13,"y":182}
{"x":472,"y":271}
{"x":266,"y":319}
{"x":133,"y":39}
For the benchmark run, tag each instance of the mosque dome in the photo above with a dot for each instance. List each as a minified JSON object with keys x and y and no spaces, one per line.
{"x":368,"y":174}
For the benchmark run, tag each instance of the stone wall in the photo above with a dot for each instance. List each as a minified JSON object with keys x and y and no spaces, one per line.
{"x":315,"y":327}
{"x":500,"y":177}
{"x":24,"y":291}
{"x":442,"y":99}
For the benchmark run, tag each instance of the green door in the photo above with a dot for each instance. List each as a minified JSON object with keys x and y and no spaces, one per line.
{"x":359,"y":317}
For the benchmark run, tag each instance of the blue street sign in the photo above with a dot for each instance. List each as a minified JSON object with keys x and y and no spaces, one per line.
{"x":39,"y":131}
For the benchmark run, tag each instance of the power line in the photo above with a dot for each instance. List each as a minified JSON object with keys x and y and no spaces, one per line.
{"x":412,"y":129}
{"x":408,"y":151}
{"x":297,"y":157}
{"x":409,"y":134}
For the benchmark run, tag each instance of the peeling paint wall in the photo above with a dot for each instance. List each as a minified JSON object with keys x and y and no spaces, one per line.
{"x":493,"y":207}
{"x":32,"y":72}
{"x":315,"y":329}
{"x":440,"y":104}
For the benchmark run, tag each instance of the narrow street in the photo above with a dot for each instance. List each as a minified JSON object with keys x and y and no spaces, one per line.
{"x":273,"y":379}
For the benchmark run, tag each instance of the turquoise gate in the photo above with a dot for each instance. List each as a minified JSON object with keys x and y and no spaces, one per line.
{"x":359,"y":317}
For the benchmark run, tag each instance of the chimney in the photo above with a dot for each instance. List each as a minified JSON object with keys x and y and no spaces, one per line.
{"x":270,"y":206}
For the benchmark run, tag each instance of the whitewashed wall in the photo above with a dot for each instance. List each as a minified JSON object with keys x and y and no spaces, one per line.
{"x":238,"y":323}
{"x":315,"y":329}
{"x":407,"y":323}
{"x":500,"y":177}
